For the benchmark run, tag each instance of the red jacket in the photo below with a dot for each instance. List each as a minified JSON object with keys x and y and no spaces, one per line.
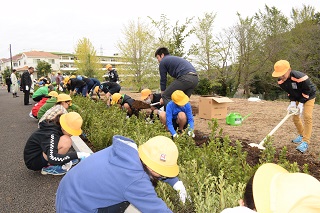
{"x":38,"y":105}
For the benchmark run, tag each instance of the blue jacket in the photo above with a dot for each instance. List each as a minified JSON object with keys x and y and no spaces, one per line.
{"x":108,"y":177}
{"x":172,"y":111}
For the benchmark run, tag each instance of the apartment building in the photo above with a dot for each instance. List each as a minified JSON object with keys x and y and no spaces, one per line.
{"x":63,"y":62}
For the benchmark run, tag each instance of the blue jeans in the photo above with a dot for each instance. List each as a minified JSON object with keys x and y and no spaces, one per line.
{"x":82,"y":90}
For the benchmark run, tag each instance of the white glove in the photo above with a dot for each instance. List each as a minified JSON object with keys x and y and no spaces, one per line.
{"x":118,"y":82}
{"x":83,"y":155}
{"x":293,"y":104}
{"x":67,"y":166}
{"x":191,"y":133}
{"x":175,"y":135}
{"x":178,"y":186}
{"x":300,"y":107}
{"x":27,"y":87}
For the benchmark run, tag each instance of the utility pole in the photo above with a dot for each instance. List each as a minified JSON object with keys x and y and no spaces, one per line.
{"x":11,"y":58}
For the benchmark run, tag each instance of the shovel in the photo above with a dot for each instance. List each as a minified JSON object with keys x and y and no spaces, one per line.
{"x":292,"y":111}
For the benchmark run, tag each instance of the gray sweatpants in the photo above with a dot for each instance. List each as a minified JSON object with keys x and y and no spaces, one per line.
{"x":186,"y":83}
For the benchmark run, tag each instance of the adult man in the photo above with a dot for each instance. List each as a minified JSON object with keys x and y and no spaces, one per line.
{"x":301,"y":92}
{"x":112,"y":74}
{"x":186,"y":78}
{"x":59,"y":81}
{"x":15,"y":85}
{"x":8,"y":83}
{"x":26,"y":82}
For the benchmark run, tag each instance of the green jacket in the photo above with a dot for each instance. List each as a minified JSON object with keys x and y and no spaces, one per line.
{"x":50,"y":103}
{"x":41,"y":91}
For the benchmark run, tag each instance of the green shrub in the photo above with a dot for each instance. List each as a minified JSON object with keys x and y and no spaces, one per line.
{"x":214,"y":175}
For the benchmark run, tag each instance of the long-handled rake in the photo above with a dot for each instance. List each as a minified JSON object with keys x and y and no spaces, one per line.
{"x":290,"y":112}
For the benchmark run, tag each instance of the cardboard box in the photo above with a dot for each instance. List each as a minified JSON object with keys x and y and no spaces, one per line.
{"x":213,"y":107}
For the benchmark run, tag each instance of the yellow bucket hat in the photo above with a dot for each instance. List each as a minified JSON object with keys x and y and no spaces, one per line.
{"x":160,"y":154}
{"x":53,"y":94}
{"x":71,"y":122}
{"x":115,"y":98}
{"x":145,"y":93}
{"x":280,"y":68}
{"x":63,"y":97}
{"x":65,"y":80}
{"x":275,"y":190}
{"x":179,"y":98}
{"x":96,"y":89}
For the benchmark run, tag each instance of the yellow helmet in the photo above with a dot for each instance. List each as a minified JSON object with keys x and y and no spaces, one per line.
{"x":63,"y":97}
{"x":179,"y":98}
{"x":108,"y":66}
{"x":71,"y":122}
{"x":53,"y":94}
{"x":66,"y":79}
{"x":160,"y":154}
{"x":96,"y":89}
{"x":115,"y":98}
{"x":145,"y":93}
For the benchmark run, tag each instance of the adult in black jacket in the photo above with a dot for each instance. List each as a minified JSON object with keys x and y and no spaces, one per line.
{"x":47,"y":149}
{"x":26,"y":84}
{"x":8,"y":83}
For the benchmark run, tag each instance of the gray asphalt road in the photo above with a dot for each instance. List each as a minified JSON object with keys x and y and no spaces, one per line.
{"x":21,"y":190}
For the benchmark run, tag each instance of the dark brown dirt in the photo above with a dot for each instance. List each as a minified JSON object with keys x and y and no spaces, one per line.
{"x":137,"y":104}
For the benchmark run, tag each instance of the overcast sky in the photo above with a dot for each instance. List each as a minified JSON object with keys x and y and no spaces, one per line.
{"x":58,"y":25}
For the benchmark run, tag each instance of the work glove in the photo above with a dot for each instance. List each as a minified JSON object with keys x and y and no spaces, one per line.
{"x":174,"y":136}
{"x":293,"y":104}
{"x":300,"y":107}
{"x":67,"y":166}
{"x":191,"y":133}
{"x":83,"y":155}
{"x":179,"y":187}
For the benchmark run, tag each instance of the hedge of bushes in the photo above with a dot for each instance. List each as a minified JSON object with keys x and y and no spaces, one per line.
{"x":214,"y":174}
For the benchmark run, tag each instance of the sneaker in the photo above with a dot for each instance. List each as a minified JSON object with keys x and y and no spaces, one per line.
{"x":30,"y":115}
{"x":297,"y":139}
{"x":302,"y":147}
{"x":53,"y":170}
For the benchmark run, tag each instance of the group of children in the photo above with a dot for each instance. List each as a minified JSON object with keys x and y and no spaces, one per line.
{"x":123,"y":175}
